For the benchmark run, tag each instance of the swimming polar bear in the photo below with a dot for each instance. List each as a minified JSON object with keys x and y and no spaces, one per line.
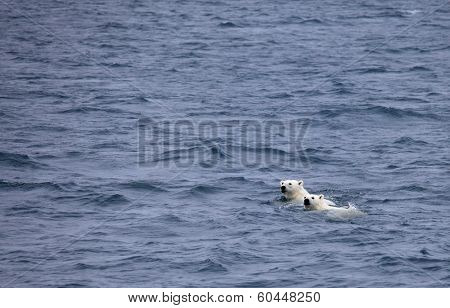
{"x":318,"y":203}
{"x":293,"y":190}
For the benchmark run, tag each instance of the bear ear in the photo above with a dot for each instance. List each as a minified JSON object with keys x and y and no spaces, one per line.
{"x":300,"y":182}
{"x":321,"y":197}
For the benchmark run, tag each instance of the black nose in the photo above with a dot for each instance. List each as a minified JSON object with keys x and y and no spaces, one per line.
{"x":283,"y":189}
{"x":306,"y":202}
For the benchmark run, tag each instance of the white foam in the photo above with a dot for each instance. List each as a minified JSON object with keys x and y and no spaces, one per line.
{"x":411,"y":12}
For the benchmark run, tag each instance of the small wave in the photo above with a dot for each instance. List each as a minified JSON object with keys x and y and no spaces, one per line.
{"x":228,"y":24}
{"x":419,"y":68}
{"x":404,"y":50}
{"x":205,"y":189}
{"x":389,"y":261}
{"x":317,"y":151}
{"x":217,"y":150}
{"x":73,"y":285}
{"x":426,"y":260}
{"x":169,"y":218}
{"x":195,"y":45}
{"x":23,"y":209}
{"x":410,"y":141}
{"x":112,"y":24}
{"x":392,"y":167}
{"x":83,"y":266}
{"x":209,"y":265}
{"x":424,"y":251}
{"x":50,"y":128}
{"x":410,"y":12}
{"x":29,"y":186}
{"x":409,"y":99}
{"x":45,"y":156}
{"x":387,"y":13}
{"x":18,"y":160}
{"x":136,"y":258}
{"x":115,"y":64}
{"x":391,"y":12}
{"x":213,"y":113}
{"x":315,"y":21}
{"x":375,"y":110}
{"x":279,"y":95}
{"x":415,"y":188}
{"x":105,"y":200}
{"x":143,"y":185}
{"x":186,"y":153}
{"x":430,"y":263}
{"x":213,"y":150}
{"x":65,"y":215}
{"x":342,"y":90}
{"x":74,"y":153}
{"x":88,"y":109}
{"x":110,"y":144}
{"x":261,"y":149}
{"x":370,"y":70}
{"x":4,"y":114}
{"x":189,"y":55}
{"x":240,"y":180}
{"x":397,"y":112}
{"x":394,"y":112}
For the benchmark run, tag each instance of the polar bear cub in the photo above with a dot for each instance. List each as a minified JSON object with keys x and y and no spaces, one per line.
{"x":293,"y":190}
{"x":316,"y":203}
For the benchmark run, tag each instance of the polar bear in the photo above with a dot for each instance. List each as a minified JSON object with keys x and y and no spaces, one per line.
{"x":293,"y":190}
{"x":318,"y":203}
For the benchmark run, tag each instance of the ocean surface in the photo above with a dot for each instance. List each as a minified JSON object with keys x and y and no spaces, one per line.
{"x":78,"y":208}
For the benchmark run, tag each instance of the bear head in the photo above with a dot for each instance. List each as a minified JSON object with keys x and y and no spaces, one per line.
{"x":293,"y":189}
{"x":314,"y":202}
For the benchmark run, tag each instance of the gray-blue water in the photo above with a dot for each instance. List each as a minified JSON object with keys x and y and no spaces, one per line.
{"x":76,"y":209}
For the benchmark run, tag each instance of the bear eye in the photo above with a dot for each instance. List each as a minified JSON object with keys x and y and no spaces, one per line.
{"x":312,"y":197}
{"x":290,"y":183}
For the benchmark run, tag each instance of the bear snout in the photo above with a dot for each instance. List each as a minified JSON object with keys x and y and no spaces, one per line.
{"x":306,"y":202}
{"x":283,"y":189}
